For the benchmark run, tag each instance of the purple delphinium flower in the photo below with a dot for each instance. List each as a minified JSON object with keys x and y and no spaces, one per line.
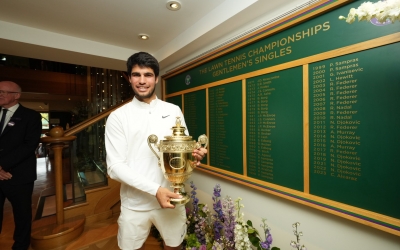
{"x":218,"y":217}
{"x":264,"y":245}
{"x":217,"y":191}
{"x":268,"y":241}
{"x":198,"y":220}
{"x":229,"y":222}
{"x":195,"y":200}
{"x":268,"y":237}
{"x":203,"y":247}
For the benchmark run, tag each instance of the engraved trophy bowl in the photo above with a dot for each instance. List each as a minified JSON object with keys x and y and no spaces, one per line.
{"x":176,"y":160}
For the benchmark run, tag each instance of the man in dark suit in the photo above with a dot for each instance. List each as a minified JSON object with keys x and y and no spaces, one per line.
{"x":20,"y":130}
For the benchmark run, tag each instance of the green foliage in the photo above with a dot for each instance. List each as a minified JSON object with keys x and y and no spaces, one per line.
{"x":254,"y":236}
{"x":191,"y":240}
{"x":201,"y":212}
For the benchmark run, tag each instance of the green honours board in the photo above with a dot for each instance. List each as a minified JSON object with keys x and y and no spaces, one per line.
{"x":315,"y":36}
{"x":195,"y":114}
{"x":225,"y":112}
{"x":274,"y":119}
{"x":310,"y":113}
{"x":177,"y":100}
{"x":355,"y":129}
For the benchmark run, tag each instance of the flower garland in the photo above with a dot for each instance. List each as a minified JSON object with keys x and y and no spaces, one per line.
{"x":382,"y":11}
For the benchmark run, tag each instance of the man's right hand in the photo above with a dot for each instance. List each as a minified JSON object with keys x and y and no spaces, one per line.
{"x":164,"y":196}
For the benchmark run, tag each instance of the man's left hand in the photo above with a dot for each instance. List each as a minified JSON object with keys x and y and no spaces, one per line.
{"x":4,"y":175}
{"x":199,"y":154}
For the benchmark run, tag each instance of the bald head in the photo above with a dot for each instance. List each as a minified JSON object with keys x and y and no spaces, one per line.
{"x":12,"y":85}
{"x":10,"y":92}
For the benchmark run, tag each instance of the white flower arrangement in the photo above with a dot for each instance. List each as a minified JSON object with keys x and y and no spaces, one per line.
{"x":223,"y":229}
{"x":242,"y":241}
{"x":382,"y":11}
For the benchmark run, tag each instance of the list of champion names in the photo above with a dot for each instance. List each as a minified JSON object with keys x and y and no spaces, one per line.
{"x":219,"y":110}
{"x":190,"y":113}
{"x":334,"y":119}
{"x":260,"y":124}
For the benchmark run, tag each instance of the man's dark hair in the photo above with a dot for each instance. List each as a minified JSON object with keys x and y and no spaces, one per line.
{"x":143,"y":59}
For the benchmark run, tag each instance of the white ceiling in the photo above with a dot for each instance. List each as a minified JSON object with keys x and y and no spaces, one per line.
{"x":103,"y":33}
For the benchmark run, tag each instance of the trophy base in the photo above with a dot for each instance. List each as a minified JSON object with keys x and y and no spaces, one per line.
{"x":185,"y":199}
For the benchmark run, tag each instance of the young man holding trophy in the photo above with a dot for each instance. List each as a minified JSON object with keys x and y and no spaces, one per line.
{"x":144,"y":190}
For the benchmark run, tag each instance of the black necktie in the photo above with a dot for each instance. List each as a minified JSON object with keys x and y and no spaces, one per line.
{"x":3,"y":119}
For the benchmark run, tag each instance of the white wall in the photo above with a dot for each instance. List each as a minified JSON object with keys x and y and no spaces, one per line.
{"x":322,"y":231}
{"x":30,"y":42}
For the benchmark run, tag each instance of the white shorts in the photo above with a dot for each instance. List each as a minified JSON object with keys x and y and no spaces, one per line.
{"x":134,"y":226}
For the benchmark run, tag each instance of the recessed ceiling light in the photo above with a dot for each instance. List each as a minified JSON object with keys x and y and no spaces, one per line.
{"x":173,"y":5}
{"x":144,"y":37}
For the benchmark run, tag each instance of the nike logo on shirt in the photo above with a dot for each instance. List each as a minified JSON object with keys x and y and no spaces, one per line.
{"x":165,"y":116}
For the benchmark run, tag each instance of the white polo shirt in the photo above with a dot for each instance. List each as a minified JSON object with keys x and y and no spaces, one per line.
{"x":129,"y":157}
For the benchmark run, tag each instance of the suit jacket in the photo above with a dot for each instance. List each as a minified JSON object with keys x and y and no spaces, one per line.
{"x":18,"y":143}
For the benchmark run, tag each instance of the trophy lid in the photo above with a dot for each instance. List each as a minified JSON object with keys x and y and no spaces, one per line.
{"x":178,"y":132}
